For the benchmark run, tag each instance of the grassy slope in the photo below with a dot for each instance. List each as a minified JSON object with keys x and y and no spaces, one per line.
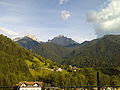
{"x":17,"y":63}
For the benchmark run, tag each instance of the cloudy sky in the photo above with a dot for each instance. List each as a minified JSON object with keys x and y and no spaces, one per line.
{"x":79,"y":19}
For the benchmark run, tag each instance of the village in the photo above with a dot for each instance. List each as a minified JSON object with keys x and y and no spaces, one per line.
{"x":25,"y":85}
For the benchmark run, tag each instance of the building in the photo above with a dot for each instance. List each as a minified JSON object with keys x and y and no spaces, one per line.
{"x":29,"y":85}
{"x":59,"y":69}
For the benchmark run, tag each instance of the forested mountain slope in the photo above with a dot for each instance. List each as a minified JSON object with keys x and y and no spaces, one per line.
{"x":47,"y":50}
{"x":51,"y":51}
{"x":12,"y":64}
{"x":102,"y":52}
{"x":18,"y":64}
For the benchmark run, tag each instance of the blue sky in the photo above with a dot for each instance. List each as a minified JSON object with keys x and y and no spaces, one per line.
{"x":49,"y":18}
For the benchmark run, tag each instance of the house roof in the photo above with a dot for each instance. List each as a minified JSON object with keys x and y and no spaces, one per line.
{"x":29,"y":83}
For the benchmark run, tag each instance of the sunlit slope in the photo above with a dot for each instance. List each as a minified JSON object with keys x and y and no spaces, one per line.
{"x":18,"y":64}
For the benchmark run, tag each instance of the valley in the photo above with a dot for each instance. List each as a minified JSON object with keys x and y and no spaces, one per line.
{"x":19,"y":64}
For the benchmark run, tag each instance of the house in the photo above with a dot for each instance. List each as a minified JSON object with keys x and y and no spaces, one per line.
{"x":59,"y":69}
{"x":74,"y":68}
{"x":29,"y":85}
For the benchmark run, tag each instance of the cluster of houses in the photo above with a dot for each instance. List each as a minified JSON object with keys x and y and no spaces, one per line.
{"x":25,"y":85}
{"x":39,"y":86}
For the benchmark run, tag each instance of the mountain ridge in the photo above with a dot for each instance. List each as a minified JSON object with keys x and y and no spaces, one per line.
{"x":27,"y":42}
{"x":48,"y":49}
{"x":18,"y":64}
{"x":101,"y":52}
{"x":63,"y":41}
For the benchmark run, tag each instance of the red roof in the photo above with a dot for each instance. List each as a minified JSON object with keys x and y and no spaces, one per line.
{"x":30,"y":83}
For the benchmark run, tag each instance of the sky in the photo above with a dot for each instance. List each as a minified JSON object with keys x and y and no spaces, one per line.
{"x":80,"y":20}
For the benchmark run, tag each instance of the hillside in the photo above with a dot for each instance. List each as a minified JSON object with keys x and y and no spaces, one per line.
{"x":51,"y":51}
{"x":18,"y":64}
{"x":47,"y":50}
{"x":27,"y":42}
{"x":102,"y":52}
{"x":12,"y":62}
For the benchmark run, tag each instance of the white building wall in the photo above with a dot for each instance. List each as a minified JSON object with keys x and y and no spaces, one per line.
{"x":30,"y":88}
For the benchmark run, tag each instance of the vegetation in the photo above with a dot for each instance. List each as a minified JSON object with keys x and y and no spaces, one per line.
{"x":12,"y":66}
{"x":18,"y":64}
{"x":51,"y":51}
{"x":102,"y":52}
{"x":47,"y":50}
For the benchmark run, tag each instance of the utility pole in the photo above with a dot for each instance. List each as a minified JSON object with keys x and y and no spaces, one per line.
{"x":98,"y":81}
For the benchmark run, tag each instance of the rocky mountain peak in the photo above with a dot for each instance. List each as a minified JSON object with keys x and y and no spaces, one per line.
{"x":63,"y":41}
{"x":31,"y":36}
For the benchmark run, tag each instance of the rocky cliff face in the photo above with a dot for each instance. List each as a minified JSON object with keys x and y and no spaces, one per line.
{"x":63,"y":41}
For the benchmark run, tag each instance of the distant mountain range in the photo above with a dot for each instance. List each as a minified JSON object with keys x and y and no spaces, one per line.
{"x":48,"y":50}
{"x":101,"y":52}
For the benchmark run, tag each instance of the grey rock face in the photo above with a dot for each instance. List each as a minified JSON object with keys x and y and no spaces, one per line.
{"x":63,"y":41}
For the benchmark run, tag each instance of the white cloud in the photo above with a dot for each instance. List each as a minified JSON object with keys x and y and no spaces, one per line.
{"x":65,"y":14}
{"x":8,"y":32}
{"x":107,"y":21}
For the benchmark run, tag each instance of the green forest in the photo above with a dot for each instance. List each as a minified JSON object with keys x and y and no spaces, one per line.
{"x":19,"y":64}
{"x":101,"y":52}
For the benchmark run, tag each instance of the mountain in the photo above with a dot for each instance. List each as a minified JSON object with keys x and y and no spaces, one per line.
{"x":64,"y":41}
{"x":18,"y":64}
{"x":47,"y":50}
{"x":51,"y":51}
{"x":27,"y":42}
{"x":102,"y":52}
{"x":33,"y":37}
